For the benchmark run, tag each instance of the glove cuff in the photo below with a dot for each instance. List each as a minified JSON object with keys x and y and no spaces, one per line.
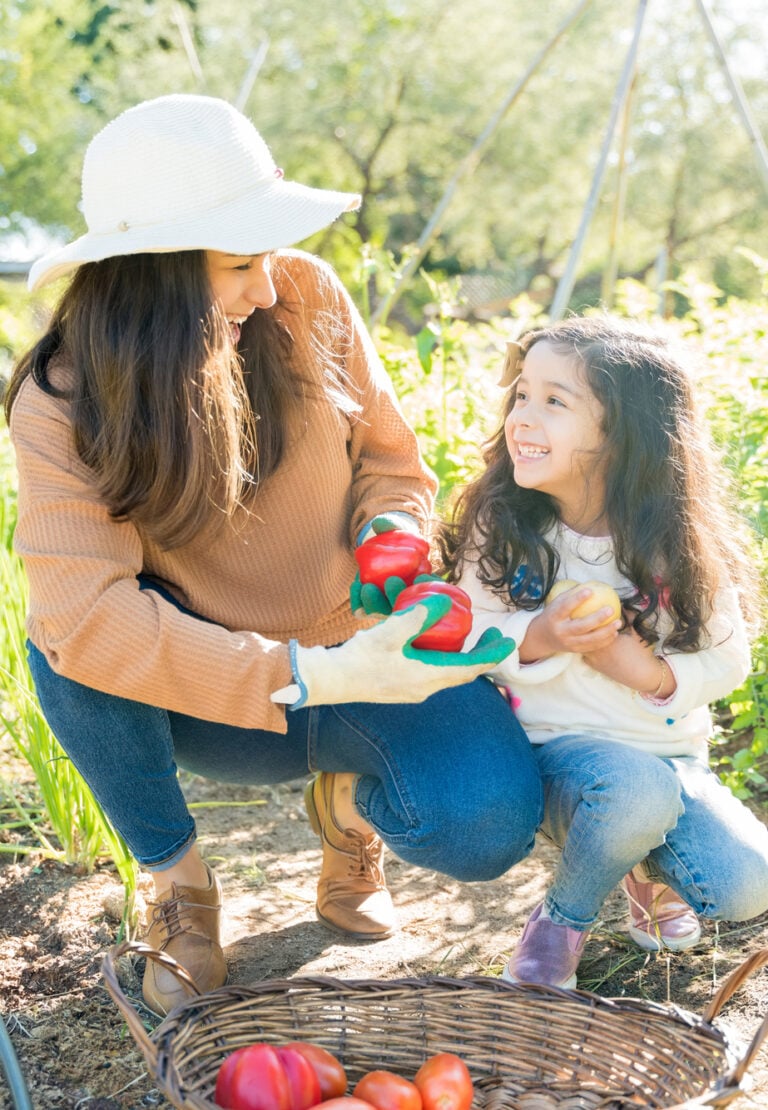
{"x":398,"y":518}
{"x":293,"y":647}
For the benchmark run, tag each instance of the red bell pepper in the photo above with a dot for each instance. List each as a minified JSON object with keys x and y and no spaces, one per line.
{"x":397,"y":554}
{"x":450,"y":632}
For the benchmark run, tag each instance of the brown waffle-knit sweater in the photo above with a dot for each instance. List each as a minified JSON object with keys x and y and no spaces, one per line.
{"x":281,"y":571}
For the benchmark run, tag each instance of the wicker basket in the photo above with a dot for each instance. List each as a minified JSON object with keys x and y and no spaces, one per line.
{"x":527,"y":1047}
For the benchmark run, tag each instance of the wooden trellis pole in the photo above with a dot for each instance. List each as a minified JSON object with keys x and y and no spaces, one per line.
{"x":466,"y":167}
{"x":737,"y":93}
{"x":617,"y":216}
{"x":565,"y":286}
{"x":257,"y":61}
{"x":180,"y":19}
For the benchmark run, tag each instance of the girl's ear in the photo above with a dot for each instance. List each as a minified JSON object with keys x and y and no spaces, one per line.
{"x":512,"y":364}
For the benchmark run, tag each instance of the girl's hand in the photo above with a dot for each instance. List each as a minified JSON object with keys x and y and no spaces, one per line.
{"x":632,"y":662}
{"x":555,"y":629}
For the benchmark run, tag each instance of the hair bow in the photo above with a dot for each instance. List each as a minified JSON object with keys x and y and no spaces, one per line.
{"x":512,"y":364}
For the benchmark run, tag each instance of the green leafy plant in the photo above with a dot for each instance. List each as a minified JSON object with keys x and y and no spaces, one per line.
{"x":73,"y":827}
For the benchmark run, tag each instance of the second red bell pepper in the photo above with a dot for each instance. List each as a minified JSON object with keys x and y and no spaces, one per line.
{"x":450,"y":632}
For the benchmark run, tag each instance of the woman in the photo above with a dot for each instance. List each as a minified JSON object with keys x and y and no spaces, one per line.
{"x":203,"y":435}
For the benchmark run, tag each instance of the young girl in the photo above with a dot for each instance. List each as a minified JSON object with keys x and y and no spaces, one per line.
{"x":203,"y":435}
{"x":602,"y":472}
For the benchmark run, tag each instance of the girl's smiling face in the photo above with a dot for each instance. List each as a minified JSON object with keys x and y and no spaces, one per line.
{"x":240,"y":284}
{"x":554,"y":435}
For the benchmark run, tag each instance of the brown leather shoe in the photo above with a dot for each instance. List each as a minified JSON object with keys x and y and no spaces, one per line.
{"x":185,"y":925}
{"x":352,"y":895}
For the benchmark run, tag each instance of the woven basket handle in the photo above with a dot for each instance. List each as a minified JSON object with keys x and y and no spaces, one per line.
{"x":132,"y":1019}
{"x":727,"y":990}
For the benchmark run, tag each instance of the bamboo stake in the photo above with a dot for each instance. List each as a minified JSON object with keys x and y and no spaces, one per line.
{"x":188,"y":43}
{"x":466,"y":167}
{"x":611,"y":271}
{"x":565,"y":286}
{"x":257,"y":61}
{"x":739,"y":98}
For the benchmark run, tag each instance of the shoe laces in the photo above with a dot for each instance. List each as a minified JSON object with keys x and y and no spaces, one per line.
{"x":169,"y":915}
{"x":365,"y":857}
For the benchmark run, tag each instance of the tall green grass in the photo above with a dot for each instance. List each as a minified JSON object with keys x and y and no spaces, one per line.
{"x":75,"y":829}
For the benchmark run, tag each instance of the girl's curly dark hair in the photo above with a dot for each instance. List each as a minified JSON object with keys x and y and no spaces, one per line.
{"x":675,"y":537}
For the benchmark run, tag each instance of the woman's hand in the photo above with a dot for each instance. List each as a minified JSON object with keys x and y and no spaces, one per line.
{"x":380,"y":664}
{"x":389,"y":558}
{"x":555,"y":629}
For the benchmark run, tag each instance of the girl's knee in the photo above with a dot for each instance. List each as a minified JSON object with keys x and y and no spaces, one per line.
{"x":641,"y":802}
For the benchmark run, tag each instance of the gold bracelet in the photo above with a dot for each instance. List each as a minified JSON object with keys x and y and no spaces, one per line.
{"x":664,"y":669}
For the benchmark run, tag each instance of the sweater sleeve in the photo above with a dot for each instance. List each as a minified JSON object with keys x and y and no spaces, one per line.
{"x":712,"y":673}
{"x":87,"y":613}
{"x":388,"y":472}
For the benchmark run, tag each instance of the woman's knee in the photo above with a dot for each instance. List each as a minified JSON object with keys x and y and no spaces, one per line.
{"x":471,"y":830}
{"x":477,"y":834}
{"x":491,"y":823}
{"x":491,"y":847}
{"x":451,"y":785}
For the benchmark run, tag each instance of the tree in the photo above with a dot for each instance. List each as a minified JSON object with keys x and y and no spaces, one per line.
{"x":386,"y":98}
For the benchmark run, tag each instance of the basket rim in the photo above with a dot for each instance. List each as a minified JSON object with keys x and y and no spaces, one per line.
{"x":325,"y":983}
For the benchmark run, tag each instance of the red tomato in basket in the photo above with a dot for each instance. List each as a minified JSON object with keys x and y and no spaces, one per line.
{"x":450,"y":632}
{"x":329,"y":1071}
{"x":388,"y":1091}
{"x":444,"y":1083}
{"x":262,"y":1077}
{"x":348,"y":1102}
{"x":303,"y":1080}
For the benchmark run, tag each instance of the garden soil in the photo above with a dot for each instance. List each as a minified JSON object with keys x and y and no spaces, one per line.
{"x":76,"y":1052}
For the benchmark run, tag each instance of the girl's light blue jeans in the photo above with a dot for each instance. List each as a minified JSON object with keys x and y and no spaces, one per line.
{"x":449,"y":784}
{"x":609,"y":806}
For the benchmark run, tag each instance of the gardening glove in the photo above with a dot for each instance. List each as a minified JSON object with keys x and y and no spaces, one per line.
{"x":380,"y":664}
{"x":370,"y":599}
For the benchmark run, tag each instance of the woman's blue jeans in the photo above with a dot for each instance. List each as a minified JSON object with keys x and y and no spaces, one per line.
{"x":450,"y":784}
{"x":609,"y":806}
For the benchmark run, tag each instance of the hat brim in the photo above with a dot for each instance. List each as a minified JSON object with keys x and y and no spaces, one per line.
{"x":276,"y":214}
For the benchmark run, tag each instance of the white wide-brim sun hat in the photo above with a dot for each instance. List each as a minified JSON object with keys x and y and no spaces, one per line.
{"x":185,"y":172}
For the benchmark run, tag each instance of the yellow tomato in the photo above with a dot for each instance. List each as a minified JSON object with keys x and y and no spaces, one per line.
{"x":602,"y":596}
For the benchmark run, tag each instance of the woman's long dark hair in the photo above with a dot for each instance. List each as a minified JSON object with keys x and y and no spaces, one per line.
{"x":674,"y":536}
{"x":177,"y":428}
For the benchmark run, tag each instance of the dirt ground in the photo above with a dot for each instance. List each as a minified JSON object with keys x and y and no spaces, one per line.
{"x":55,"y":926}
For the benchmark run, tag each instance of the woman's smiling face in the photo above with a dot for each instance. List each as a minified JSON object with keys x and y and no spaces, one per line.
{"x":554,"y":433}
{"x":240,"y":283}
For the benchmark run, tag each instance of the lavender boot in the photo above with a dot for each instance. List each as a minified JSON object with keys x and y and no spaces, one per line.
{"x":659,"y":918}
{"x":547,"y":953}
